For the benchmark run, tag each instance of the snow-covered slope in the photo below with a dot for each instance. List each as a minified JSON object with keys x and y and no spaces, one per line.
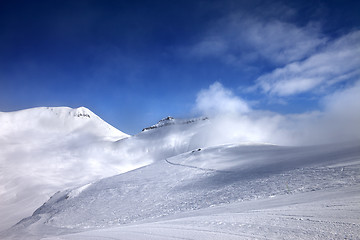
{"x":186,"y":193}
{"x":43,"y":150}
{"x":323,"y":214}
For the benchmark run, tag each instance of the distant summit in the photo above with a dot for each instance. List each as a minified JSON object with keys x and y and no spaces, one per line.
{"x":172,"y":121}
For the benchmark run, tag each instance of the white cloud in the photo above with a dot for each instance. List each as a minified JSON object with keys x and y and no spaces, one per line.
{"x":239,"y":39}
{"x":338,"y":121}
{"x":339,"y":61}
{"x":217,"y":99}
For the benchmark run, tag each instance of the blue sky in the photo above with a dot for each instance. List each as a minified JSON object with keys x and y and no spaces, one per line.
{"x":135,"y":62}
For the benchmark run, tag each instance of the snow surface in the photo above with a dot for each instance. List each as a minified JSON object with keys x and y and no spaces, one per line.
{"x":176,"y":183}
{"x":44,"y":150}
{"x":315,"y":195}
{"x":313,"y":215}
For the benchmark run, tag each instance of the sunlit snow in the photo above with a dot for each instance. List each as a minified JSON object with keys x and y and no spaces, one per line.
{"x":174,"y":183}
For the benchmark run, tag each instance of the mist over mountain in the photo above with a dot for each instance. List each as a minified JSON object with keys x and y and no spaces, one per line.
{"x":67,"y":174}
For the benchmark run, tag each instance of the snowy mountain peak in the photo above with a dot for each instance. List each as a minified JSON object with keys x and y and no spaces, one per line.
{"x":55,"y":122}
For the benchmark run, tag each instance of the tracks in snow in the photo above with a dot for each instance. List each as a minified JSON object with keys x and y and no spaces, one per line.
{"x":198,"y":168}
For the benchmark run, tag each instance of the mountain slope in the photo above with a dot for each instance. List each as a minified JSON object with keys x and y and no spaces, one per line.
{"x":226,"y":176}
{"x":44,"y":150}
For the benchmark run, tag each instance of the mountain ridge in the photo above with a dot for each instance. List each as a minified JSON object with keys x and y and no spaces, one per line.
{"x":172,"y":121}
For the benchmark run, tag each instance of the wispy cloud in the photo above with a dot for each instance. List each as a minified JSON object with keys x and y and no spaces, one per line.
{"x":338,"y":61}
{"x":239,"y":39}
{"x":302,"y":57}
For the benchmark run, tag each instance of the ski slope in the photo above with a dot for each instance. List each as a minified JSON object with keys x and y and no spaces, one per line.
{"x":313,"y":215}
{"x":227,"y":192}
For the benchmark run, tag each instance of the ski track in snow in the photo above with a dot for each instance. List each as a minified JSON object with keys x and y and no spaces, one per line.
{"x":199,"y":168}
